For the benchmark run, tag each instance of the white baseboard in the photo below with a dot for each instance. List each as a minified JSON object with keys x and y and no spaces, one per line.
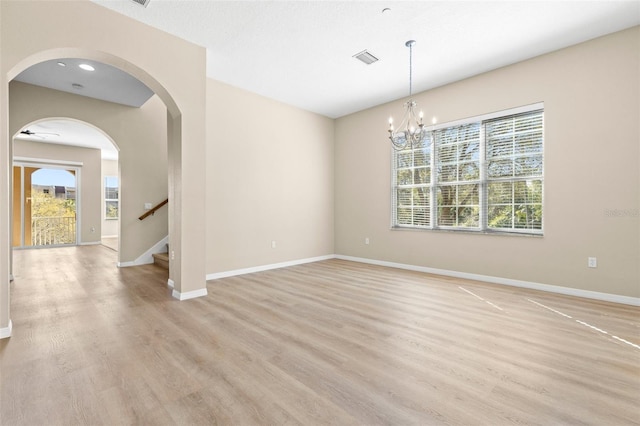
{"x":261,"y":268}
{"x":90,"y":243}
{"x":608,"y":297}
{"x":108,"y":236}
{"x":6,"y":331}
{"x":170,"y":283}
{"x":189,"y":294}
{"x":146,"y":257}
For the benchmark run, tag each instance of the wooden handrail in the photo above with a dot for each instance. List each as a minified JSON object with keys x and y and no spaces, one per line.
{"x":153,"y":210}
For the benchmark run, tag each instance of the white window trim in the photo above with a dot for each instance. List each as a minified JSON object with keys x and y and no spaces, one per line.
{"x":483,"y":222}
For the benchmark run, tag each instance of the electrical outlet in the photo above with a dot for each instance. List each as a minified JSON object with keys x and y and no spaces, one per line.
{"x":273,"y":244}
{"x":366,"y":240}
{"x":592,"y":262}
{"x":173,"y":255}
{"x":147,"y":206}
{"x":93,"y":229}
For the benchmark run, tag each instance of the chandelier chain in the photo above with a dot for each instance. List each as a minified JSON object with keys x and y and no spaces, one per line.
{"x":410,"y":70}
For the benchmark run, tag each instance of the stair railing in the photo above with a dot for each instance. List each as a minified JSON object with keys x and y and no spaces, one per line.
{"x":153,"y":210}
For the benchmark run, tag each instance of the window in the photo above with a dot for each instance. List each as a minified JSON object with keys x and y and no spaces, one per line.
{"x":111,"y":197}
{"x":483,"y":174}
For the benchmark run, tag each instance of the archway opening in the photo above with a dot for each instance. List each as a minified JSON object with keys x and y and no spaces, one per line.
{"x":52,"y":131}
{"x":48,"y":211}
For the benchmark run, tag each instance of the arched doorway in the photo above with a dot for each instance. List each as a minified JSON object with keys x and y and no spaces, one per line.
{"x":50,"y":211}
{"x":185,"y":119}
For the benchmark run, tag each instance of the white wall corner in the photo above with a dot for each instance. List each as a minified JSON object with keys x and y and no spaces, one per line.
{"x":6,"y":331}
{"x":146,"y":257}
{"x":607,"y":297}
{"x":189,"y":294}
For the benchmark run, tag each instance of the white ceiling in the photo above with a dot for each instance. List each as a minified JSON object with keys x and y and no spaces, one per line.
{"x":69,"y":132}
{"x":301,"y":52}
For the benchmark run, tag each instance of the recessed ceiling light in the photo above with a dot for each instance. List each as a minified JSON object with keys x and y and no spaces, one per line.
{"x":87,"y":67}
{"x":62,"y":64}
{"x":77,"y":86}
{"x":386,"y":10}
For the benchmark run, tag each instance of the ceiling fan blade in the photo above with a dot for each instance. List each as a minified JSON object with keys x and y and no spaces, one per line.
{"x":37,"y":134}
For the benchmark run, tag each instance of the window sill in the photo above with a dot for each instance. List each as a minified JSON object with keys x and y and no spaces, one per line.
{"x":468,"y":232}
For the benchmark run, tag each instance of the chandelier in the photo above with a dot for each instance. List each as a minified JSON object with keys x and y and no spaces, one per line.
{"x":411,"y":129}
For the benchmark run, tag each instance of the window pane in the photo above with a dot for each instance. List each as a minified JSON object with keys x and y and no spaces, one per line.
{"x":500,"y":193}
{"x":528,"y":217}
{"x":469,"y":171}
{"x":448,"y":173}
{"x":515,"y":204}
{"x":405,"y":177}
{"x":111,"y":193}
{"x":469,"y":217}
{"x":404,"y":216}
{"x":421,"y":217}
{"x":422,"y":175}
{"x":422,"y":157}
{"x":111,"y":188}
{"x":421,"y":196}
{"x":500,"y":216}
{"x":500,"y":168}
{"x":111,"y":211}
{"x":404,"y":197}
{"x":459,"y":206}
{"x":404,"y":159}
{"x":528,"y":166}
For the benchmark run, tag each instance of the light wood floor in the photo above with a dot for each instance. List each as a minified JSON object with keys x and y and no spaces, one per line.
{"x":110,"y":242}
{"x":332,"y":342}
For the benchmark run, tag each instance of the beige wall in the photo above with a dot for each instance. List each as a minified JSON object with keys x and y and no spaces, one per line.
{"x":592,"y":142}
{"x":269,"y":178}
{"x":110,"y":227}
{"x":141,"y":138}
{"x":173,"y":68}
{"x":89,"y":181}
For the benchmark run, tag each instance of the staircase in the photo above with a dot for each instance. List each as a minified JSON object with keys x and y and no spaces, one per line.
{"x":162,"y":259}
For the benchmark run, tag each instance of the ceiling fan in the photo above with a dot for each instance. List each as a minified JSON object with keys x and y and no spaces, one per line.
{"x":28,"y":132}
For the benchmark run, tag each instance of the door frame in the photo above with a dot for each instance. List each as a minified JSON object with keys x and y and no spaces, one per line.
{"x":42,"y":163}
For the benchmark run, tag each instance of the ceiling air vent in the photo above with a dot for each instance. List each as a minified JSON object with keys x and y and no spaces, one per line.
{"x":142,"y":2}
{"x":365,"y":57}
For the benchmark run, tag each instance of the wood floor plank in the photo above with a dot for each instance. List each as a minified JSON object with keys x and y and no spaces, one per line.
{"x":332,"y":342}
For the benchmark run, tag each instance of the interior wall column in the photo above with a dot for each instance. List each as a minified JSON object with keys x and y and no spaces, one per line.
{"x":5,"y":215}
